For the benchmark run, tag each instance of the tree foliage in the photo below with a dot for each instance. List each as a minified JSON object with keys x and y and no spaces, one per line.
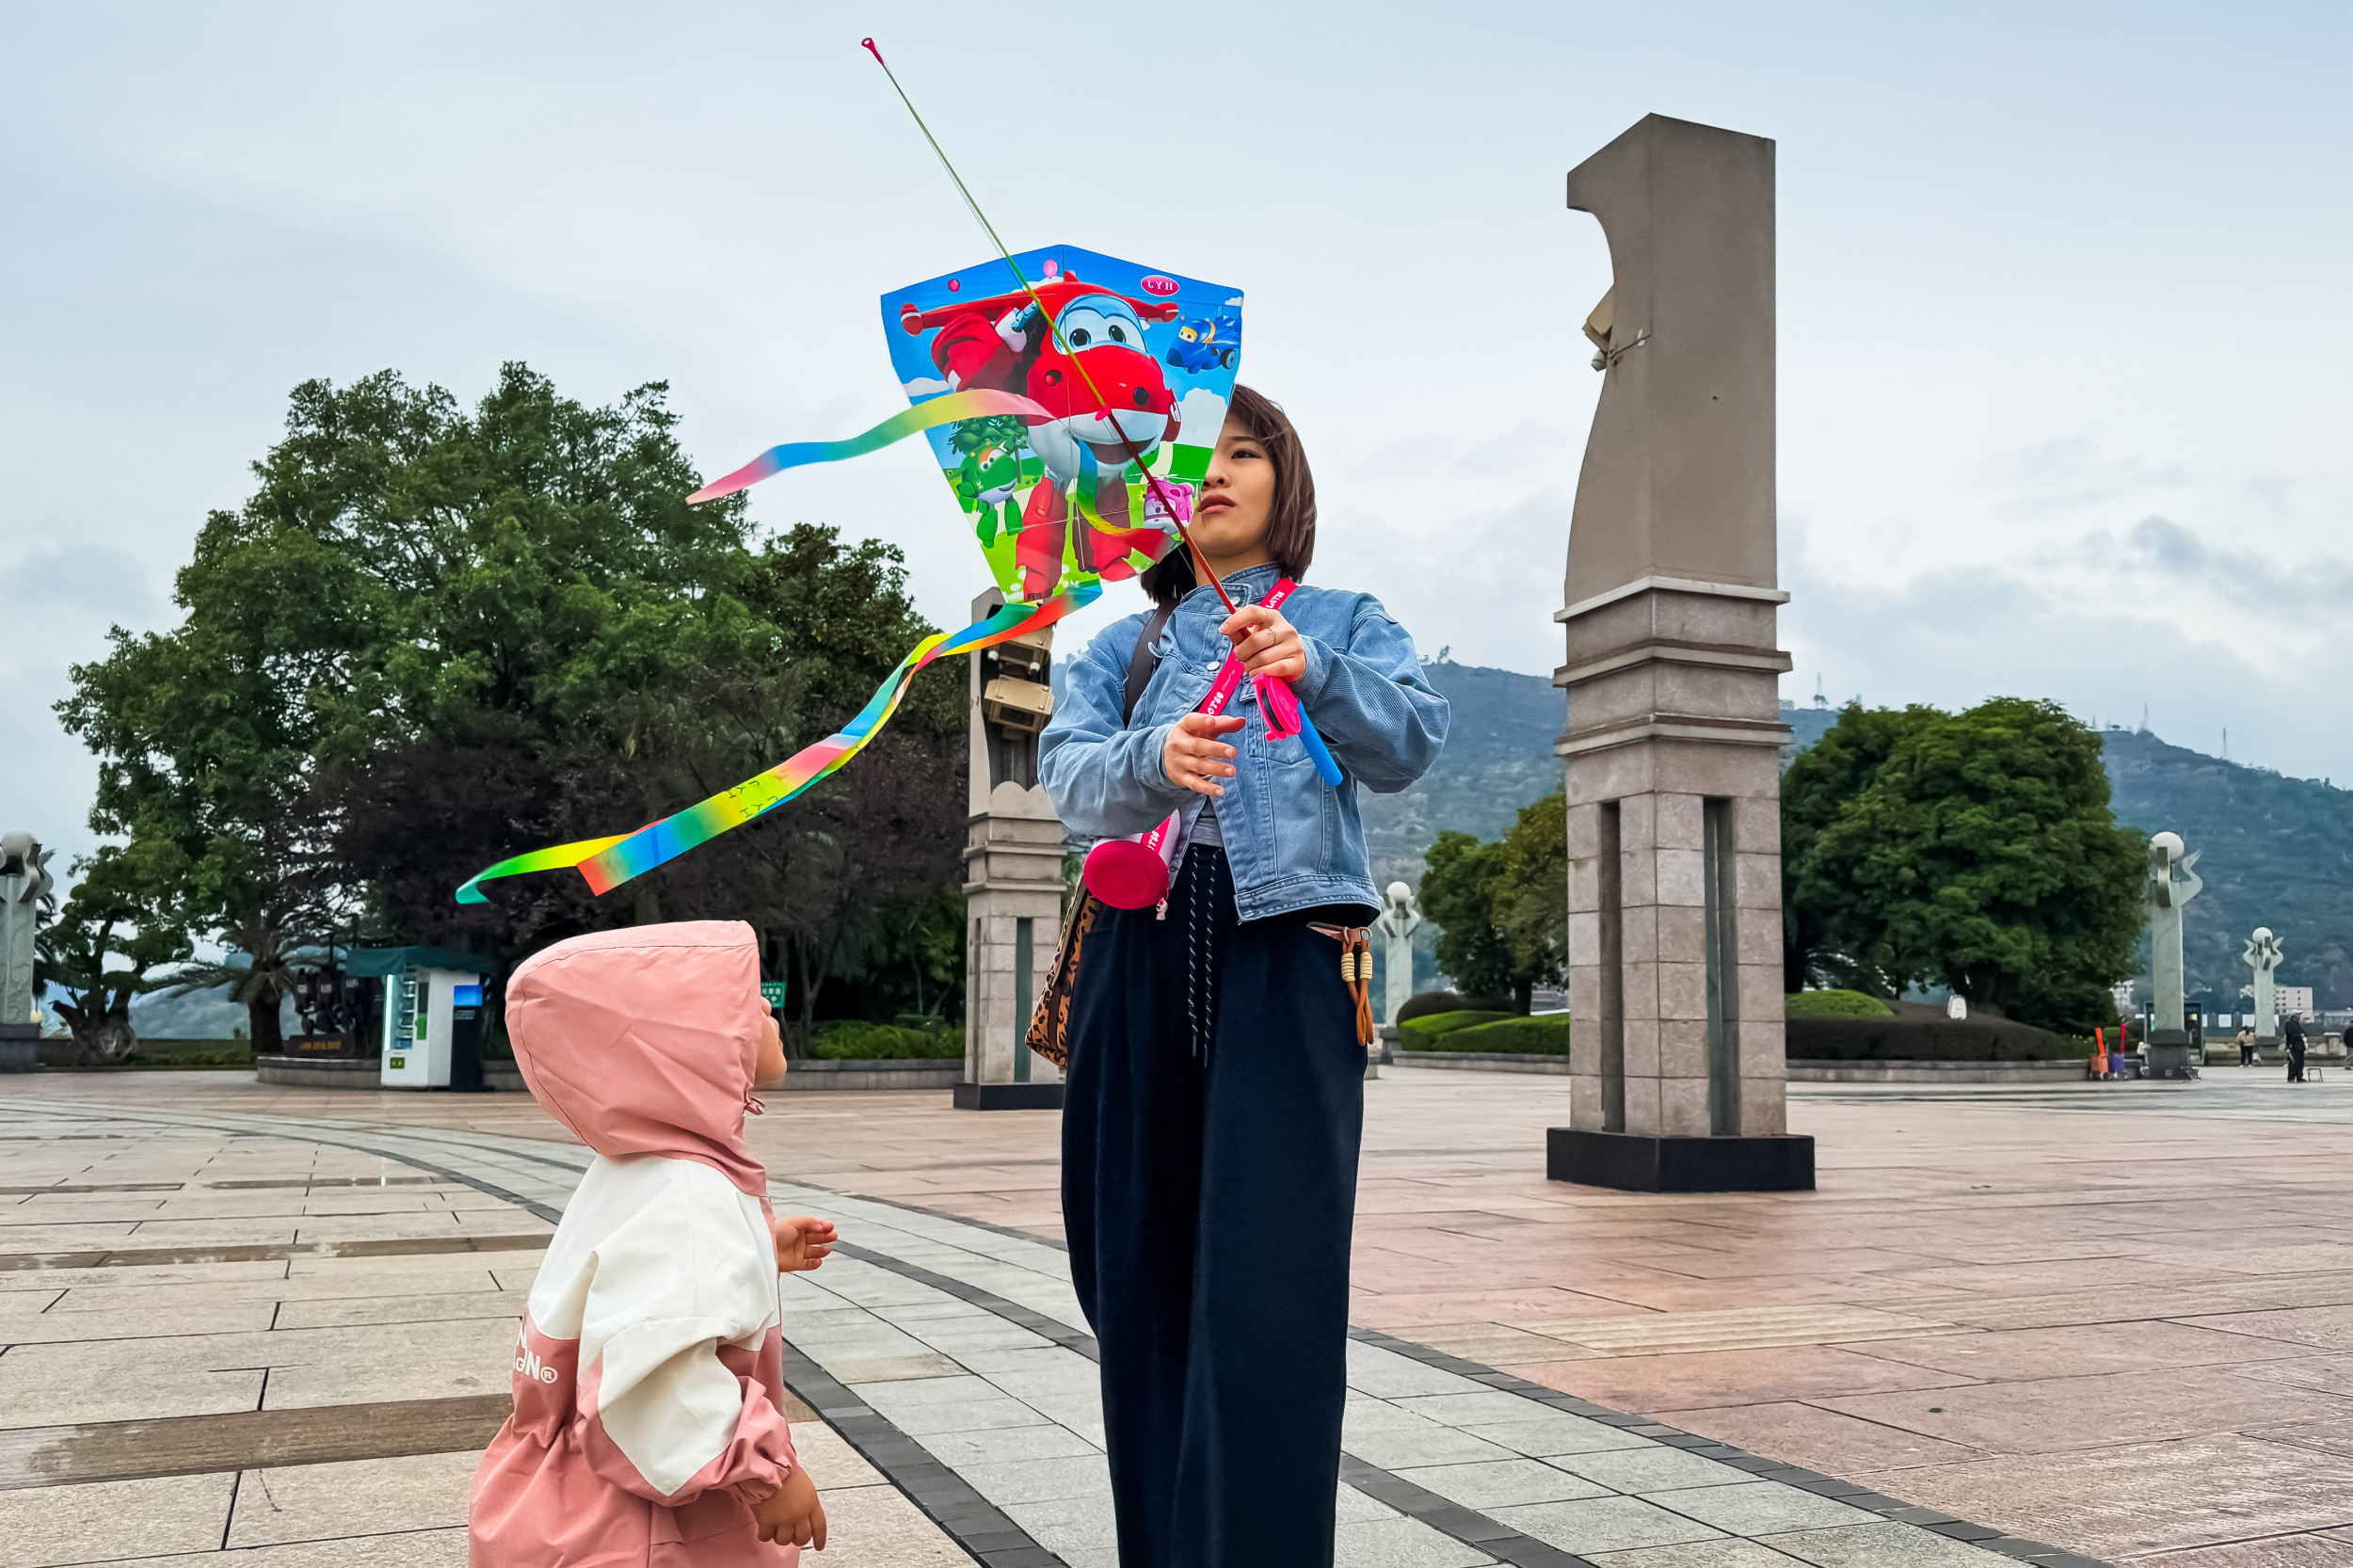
{"x":435,"y":636}
{"x":1973,"y":850}
{"x":1502,"y":907}
{"x":106,"y":919}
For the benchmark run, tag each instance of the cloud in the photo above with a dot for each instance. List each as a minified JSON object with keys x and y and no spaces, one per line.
{"x":1202,"y":414}
{"x":925,"y":386}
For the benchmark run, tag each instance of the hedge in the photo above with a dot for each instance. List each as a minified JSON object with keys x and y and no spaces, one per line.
{"x":852,"y":1040}
{"x":59,"y":1053}
{"x":1901,"y":1039}
{"x":1426,"y":1003}
{"x":1433,"y":1025}
{"x":1837,"y":1004}
{"x":1547,"y":1036}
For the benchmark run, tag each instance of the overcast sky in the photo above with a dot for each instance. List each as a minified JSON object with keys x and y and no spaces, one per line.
{"x":2064,"y":295}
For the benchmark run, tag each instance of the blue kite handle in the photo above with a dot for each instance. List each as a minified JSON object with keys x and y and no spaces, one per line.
{"x":1317,"y":750}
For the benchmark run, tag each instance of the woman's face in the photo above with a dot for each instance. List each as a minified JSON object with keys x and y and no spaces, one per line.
{"x":1236,"y":500}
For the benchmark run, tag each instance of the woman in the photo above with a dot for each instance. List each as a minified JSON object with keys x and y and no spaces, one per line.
{"x":1216,"y":1085}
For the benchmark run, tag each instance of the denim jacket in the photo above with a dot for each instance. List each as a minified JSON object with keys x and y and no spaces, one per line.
{"x":1294,"y":843}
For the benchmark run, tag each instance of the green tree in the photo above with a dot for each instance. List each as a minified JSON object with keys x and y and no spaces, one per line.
{"x":435,"y":636}
{"x":1825,"y":932}
{"x":1502,"y":909}
{"x":105,"y":918}
{"x":1531,"y":895}
{"x":1981,"y":852}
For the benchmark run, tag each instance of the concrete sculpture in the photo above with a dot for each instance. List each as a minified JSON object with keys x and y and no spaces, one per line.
{"x":2169,"y":1054}
{"x":2262,"y":956}
{"x":1673,"y":733}
{"x":26,"y":894}
{"x":1400,"y":917}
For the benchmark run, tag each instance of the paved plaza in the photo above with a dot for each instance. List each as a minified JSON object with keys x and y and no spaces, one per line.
{"x":2105,"y":1323}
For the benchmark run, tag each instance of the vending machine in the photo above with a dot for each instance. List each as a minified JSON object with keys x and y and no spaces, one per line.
{"x":419,"y":1003}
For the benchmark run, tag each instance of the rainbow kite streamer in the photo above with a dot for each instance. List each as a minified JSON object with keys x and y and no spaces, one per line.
{"x":611,"y":861}
{"x":923,"y":416}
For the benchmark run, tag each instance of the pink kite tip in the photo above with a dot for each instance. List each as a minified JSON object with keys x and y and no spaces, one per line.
{"x":867,"y":44}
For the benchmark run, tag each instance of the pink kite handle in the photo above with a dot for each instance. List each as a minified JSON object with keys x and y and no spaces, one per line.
{"x":1133,"y":873}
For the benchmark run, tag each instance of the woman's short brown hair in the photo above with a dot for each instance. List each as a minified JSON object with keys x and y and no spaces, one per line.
{"x":1291,"y":528}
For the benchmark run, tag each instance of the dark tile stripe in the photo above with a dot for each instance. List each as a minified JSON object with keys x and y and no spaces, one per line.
{"x":946,"y":1499}
{"x":246,"y":1439}
{"x":132,"y":1257}
{"x":1462,"y":1524}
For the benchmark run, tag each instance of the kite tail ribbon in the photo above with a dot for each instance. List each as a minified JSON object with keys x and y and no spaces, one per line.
{"x":606,"y":863}
{"x":922,"y":416}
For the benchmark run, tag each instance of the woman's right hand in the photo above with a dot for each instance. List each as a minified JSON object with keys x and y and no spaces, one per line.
{"x":1194,"y":757}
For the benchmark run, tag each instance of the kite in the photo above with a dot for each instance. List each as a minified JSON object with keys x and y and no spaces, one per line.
{"x":1072,"y":402}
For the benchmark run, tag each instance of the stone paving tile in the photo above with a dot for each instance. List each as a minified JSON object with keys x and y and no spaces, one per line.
{"x":1693,"y":1379}
{"x":2053,"y":1415}
{"x":1037,"y":1481}
{"x":1876,"y":1546}
{"x":2139,"y":1497}
{"x":1501,"y":1481}
{"x":1603,"y":1525}
{"x":355,"y":1311}
{"x":1401,"y":1543}
{"x":1648,"y":1470}
{"x":2281,"y":1551}
{"x":369,"y":1496}
{"x":1823,"y":1440}
{"x":1707,"y":1554}
{"x":113,"y":1519}
{"x":1760,"y":1508}
{"x":441,"y":1548}
{"x":1557,"y":1433}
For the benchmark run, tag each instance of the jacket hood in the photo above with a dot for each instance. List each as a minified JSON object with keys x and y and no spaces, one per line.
{"x":643,"y":1041}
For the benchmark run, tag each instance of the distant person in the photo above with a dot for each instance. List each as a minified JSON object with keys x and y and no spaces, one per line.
{"x":2246,"y":1045}
{"x":2294,"y":1029}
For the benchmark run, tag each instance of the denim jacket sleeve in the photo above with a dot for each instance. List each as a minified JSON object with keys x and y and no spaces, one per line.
{"x":1105,"y":779}
{"x":1379,"y":717}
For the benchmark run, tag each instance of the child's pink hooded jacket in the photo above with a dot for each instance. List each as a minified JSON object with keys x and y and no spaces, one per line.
{"x":648,"y":1379}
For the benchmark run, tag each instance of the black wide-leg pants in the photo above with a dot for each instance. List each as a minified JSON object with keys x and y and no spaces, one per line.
{"x":1209,"y":1138}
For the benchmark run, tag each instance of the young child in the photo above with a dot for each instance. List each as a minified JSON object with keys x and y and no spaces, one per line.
{"x":648,"y":1425}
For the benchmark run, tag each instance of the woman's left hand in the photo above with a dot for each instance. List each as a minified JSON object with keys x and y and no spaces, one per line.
{"x":1267,"y":644}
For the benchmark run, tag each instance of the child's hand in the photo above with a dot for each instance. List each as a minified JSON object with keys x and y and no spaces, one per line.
{"x":802,"y":1244}
{"x":793,"y":1516}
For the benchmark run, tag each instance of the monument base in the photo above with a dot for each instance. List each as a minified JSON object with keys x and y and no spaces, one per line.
{"x":20,"y":1048}
{"x":1009,"y":1096}
{"x":1636,"y":1163}
{"x":2169,"y":1053}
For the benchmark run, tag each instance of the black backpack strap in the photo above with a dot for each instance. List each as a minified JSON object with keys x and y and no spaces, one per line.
{"x":1144,"y":659}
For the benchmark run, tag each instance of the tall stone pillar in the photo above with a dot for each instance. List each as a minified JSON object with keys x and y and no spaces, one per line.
{"x":1012,"y":878}
{"x":1671,"y":749}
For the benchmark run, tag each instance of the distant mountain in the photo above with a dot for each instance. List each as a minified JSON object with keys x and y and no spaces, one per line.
{"x":2278,"y":851}
{"x":199,"y":1015}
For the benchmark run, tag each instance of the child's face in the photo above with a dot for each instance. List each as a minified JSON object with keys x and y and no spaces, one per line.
{"x":768,"y":1066}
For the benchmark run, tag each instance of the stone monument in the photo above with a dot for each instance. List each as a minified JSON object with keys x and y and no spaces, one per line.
{"x":2169,"y":1052}
{"x":1673,"y":734}
{"x":26,"y":894}
{"x":2262,"y":956}
{"x":1012,"y":877}
{"x":1400,"y":917}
